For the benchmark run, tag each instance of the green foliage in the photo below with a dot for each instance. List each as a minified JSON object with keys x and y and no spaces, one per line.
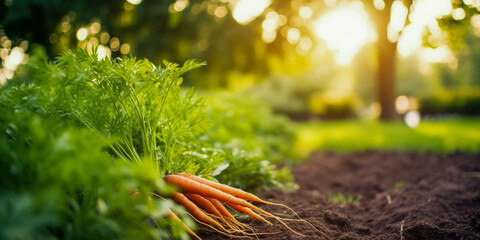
{"x":456,"y":29}
{"x":471,"y":175}
{"x":399,"y":184}
{"x":152,"y":119}
{"x":155,"y":30}
{"x":432,"y":135}
{"x":465,"y":102}
{"x":250,"y":171}
{"x":247,"y":123}
{"x":144,"y":108}
{"x":85,"y":135}
{"x":291,"y":94}
{"x":251,"y":138}
{"x":132,"y":100}
{"x":58,"y":182}
{"x":305,"y":95}
{"x":343,"y":198}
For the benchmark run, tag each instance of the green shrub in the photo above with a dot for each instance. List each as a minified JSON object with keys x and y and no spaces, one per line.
{"x":133,"y":101}
{"x":304,"y":96}
{"x":464,"y":102}
{"x":247,"y":123}
{"x":288,"y":94}
{"x":251,"y":138}
{"x":58,"y":182}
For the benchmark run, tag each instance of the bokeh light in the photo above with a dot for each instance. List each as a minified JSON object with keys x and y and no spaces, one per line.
{"x":104,"y":38}
{"x":423,"y":14}
{"x":458,"y":14}
{"x":125,"y":48}
{"x":293,"y":35}
{"x":269,"y":36}
{"x":134,"y":2}
{"x":397,"y":20}
{"x":180,"y":5}
{"x":401,"y":104}
{"x":247,"y":10}
{"x":305,"y":12}
{"x":11,"y":57}
{"x":221,"y":12}
{"x":412,"y":119}
{"x":379,"y":4}
{"x":115,"y":44}
{"x":95,"y":27}
{"x":82,"y":34}
{"x":345,"y":30}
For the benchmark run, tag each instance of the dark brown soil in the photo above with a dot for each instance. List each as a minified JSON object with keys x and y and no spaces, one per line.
{"x":403,"y":196}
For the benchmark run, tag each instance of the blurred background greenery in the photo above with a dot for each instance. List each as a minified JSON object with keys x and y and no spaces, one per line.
{"x":307,"y":59}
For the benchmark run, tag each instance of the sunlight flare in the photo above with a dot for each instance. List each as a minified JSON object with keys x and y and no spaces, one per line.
{"x":423,"y":13}
{"x":397,"y":20}
{"x":246,"y":11}
{"x":345,"y":30}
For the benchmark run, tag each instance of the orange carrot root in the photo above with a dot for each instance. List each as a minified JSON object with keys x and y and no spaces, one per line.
{"x":233,"y":191}
{"x":209,"y":195}
{"x":189,"y":186}
{"x":173,"y":216}
{"x":194,"y":210}
{"x":205,"y":218}
{"x":215,"y":229}
{"x":210,"y":208}
{"x":219,"y":206}
{"x":249,"y":212}
{"x":203,"y":203}
{"x":224,"y":188}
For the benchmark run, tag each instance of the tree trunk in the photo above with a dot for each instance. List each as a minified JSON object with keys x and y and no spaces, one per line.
{"x":385,"y":78}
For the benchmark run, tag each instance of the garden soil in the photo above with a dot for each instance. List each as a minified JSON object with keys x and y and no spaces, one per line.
{"x":402,"y":196}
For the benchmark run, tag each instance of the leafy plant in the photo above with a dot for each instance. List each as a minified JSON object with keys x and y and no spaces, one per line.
{"x":145,"y":109}
{"x":343,"y":198}
{"x":58,"y":182}
{"x":247,"y":123}
{"x":140,"y":104}
{"x":463,"y":101}
{"x":399,"y":184}
{"x":252,"y":139}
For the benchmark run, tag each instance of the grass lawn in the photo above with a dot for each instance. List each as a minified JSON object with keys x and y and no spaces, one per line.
{"x":431,"y":135}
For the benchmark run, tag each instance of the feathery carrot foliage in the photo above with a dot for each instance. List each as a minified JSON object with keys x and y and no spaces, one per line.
{"x":57,"y":181}
{"x":87,"y":141}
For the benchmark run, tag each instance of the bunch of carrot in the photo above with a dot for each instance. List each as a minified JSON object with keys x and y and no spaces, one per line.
{"x":206,"y":202}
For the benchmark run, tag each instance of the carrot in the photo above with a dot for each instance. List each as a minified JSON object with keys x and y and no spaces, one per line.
{"x":174,"y":217}
{"x":194,"y":210}
{"x":219,"y":206}
{"x":227,"y":215}
{"x":203,"y":203}
{"x":232,"y":191}
{"x":247,"y":211}
{"x":224,"y":188}
{"x":190,"y":186}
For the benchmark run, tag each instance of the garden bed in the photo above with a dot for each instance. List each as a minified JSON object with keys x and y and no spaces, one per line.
{"x":381,"y":195}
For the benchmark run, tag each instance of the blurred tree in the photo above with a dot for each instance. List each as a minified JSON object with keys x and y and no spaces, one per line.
{"x":207,"y":30}
{"x":167,"y":29}
{"x":36,"y":20}
{"x":381,"y":12}
{"x":386,"y":50}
